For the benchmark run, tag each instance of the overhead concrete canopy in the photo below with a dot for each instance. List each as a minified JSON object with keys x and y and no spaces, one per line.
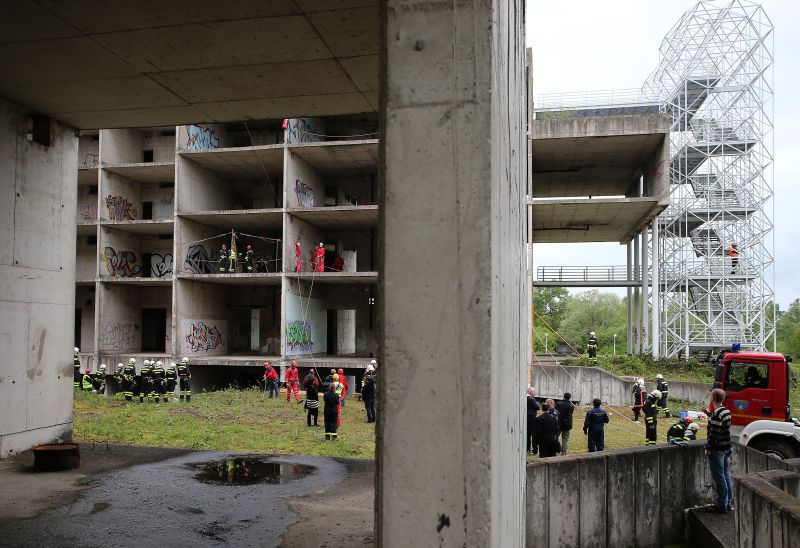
{"x":132,"y":64}
{"x":594,"y":156}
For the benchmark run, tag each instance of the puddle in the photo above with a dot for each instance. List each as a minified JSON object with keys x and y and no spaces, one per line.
{"x":249,"y":470}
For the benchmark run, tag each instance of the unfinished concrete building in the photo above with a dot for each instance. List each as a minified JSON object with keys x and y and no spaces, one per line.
{"x":149,"y":195}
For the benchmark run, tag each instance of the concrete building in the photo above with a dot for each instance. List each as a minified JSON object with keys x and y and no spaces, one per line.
{"x":146,"y":196}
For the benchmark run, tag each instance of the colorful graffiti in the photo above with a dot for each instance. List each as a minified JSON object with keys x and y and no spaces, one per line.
{"x":89,"y":212}
{"x":118,"y":336}
{"x":120,"y":264}
{"x":201,"y":138}
{"x":302,"y":130}
{"x":197,"y":260}
{"x":161,"y":265}
{"x":119,"y":208}
{"x":202,"y":338}
{"x":304,"y":194}
{"x":298,"y":336}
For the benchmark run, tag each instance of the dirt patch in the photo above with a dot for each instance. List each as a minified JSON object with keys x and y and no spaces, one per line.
{"x":187,"y":411}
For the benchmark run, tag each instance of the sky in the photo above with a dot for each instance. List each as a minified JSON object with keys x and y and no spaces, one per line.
{"x":584,"y":45}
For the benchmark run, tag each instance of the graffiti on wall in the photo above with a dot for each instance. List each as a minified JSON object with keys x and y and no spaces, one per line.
{"x":119,"y":208}
{"x":118,"y":336}
{"x":304,"y":194}
{"x":201,"y":337}
{"x":302,"y":130}
{"x":90,"y":159}
{"x":201,"y":137}
{"x":164,"y":207}
{"x":89,"y":212}
{"x":161,"y":265}
{"x":298,"y":336}
{"x":120,"y":264}
{"x":197,"y":260}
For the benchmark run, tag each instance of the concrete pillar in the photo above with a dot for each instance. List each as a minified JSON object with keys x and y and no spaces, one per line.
{"x":655,"y":331}
{"x":637,"y":327}
{"x":629,"y":263}
{"x":645,"y":329}
{"x":452,"y":332}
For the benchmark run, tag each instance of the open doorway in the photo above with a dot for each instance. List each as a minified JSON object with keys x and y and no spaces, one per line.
{"x":154,"y":329}
{"x":78,"y":320}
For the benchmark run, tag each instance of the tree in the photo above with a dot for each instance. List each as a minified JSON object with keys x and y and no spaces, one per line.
{"x":788,"y":329}
{"x":603,"y":313}
{"x":549,"y":303}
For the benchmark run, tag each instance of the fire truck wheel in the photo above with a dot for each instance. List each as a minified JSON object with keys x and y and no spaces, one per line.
{"x":776,"y":447}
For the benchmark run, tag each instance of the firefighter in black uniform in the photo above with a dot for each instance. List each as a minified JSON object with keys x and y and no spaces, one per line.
{"x":682,"y":431}
{"x":129,"y":379}
{"x":639,"y":394}
{"x":248,"y":259}
{"x":663,"y":387}
{"x":159,"y":377}
{"x":224,"y":259}
{"x":592,"y":345}
{"x":185,"y":379}
{"x":99,"y":380}
{"x":651,"y":417}
{"x":170,"y":380}
{"x":331,"y":399}
{"x":118,"y":378}
{"x":146,"y":387}
{"x":76,"y":369}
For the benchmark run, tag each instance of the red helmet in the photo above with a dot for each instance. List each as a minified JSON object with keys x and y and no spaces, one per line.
{"x":687,"y":420}
{"x":341,"y":371}
{"x":733,"y":245}
{"x":248,"y":247}
{"x":87,"y":370}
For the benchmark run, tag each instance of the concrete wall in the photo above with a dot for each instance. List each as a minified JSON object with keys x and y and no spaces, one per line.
{"x":201,"y":322}
{"x":126,"y":146}
{"x":85,"y":302}
{"x":37,"y":292}
{"x":304,"y":311}
{"x":587,"y":383}
{"x":199,"y":189}
{"x":87,"y":204}
{"x":304,"y":186}
{"x":451,"y":291}
{"x":767,"y":509}
{"x":85,"y":259}
{"x":307,"y":234}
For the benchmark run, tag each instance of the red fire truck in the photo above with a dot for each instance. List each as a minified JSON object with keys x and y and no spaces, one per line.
{"x":757,"y":387}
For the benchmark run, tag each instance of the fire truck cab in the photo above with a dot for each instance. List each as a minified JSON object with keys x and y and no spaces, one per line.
{"x":757,"y":394}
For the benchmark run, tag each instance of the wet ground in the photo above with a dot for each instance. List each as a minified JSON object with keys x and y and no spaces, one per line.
{"x":131,"y":496}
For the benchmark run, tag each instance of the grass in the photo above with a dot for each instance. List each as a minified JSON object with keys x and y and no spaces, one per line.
{"x":246,"y":420}
{"x":647,"y":367}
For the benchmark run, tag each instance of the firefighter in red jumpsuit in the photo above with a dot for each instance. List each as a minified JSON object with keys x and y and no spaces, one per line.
{"x":293,"y":382}
{"x":343,"y":380}
{"x":319,"y":258}
{"x":298,"y":257}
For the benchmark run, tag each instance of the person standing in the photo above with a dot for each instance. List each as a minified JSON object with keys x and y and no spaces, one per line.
{"x":345,"y":384}
{"x":312,"y":402}
{"x":185,"y":380}
{"x":733,"y":252}
{"x":718,"y":450}
{"x":565,"y":410}
{"x":171,"y":381}
{"x":293,"y":382}
{"x":270,"y":380}
{"x":663,"y":387}
{"x":368,"y":396}
{"x":592,"y":346}
{"x":331,"y":413}
{"x":533,"y":410}
{"x":650,"y":410}
{"x":311,"y":379}
{"x":129,"y":379}
{"x":248,"y":259}
{"x":159,"y":379}
{"x":594,"y":426}
{"x":76,"y":369}
{"x":639,"y":394}
{"x":319,"y":258}
{"x":146,"y":387}
{"x":298,"y":257}
{"x":224,"y":260}
{"x":547,"y":432}
{"x":338,"y":388}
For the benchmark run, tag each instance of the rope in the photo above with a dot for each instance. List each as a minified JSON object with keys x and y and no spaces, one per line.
{"x":557,"y":333}
{"x":337,"y":136}
{"x":263,"y":167}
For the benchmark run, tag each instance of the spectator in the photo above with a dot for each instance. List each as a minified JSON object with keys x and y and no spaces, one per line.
{"x":368,"y":396}
{"x":718,"y":451}
{"x":565,"y":410}
{"x":312,"y":402}
{"x":270,"y":380}
{"x":594,"y":426}
{"x":547,"y":432}
{"x":533,"y":410}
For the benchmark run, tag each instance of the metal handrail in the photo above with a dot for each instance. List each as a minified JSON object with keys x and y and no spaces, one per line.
{"x":594,"y":98}
{"x":614,"y":273}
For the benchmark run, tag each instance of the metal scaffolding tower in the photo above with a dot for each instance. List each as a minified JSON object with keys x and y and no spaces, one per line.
{"x":715,"y":81}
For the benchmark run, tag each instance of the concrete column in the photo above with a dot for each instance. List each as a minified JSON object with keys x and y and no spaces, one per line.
{"x":450,"y":472}
{"x":655,"y":331}
{"x":637,"y":327}
{"x":629,"y":263}
{"x":645,"y":329}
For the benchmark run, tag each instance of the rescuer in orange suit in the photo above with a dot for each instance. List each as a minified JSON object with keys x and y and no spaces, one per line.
{"x":298,"y":257}
{"x":344,"y":382}
{"x":293,"y":382}
{"x":733,"y":252}
{"x":319,"y":258}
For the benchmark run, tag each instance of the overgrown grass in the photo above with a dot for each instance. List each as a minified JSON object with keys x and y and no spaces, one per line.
{"x":647,"y":367}
{"x":241,"y":420}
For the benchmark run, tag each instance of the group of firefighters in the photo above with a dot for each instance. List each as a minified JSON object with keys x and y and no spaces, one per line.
{"x":228,"y":258}
{"x":650,"y":404}
{"x":154,"y":381}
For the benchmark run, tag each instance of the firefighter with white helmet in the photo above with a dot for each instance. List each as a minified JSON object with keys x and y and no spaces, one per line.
{"x":170,"y":381}
{"x":185,"y":380}
{"x":129,"y":379}
{"x":76,"y":369}
{"x":159,"y":378}
{"x":650,"y":410}
{"x":592,"y":346}
{"x":663,"y":387}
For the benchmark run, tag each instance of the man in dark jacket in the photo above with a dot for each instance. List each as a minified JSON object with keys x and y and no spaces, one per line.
{"x":533,"y":410}
{"x":312,"y":401}
{"x":331,"y":400}
{"x":368,"y":396}
{"x":565,"y":410}
{"x":594,"y":426}
{"x":547,"y":433}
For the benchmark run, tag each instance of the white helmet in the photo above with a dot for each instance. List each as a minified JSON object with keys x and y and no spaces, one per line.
{"x":370,"y":368}
{"x":132,"y":361}
{"x":172,"y":365}
{"x":659,"y":376}
{"x":656,"y":394}
{"x":320,"y":244}
{"x":159,"y":364}
{"x":184,"y":360}
{"x":76,"y":349}
{"x":102,"y":366}
{"x":693,"y":427}
{"x":146,"y":362}
{"x":591,"y":333}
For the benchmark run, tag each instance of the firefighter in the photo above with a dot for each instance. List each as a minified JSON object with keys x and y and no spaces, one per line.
{"x":663,"y":387}
{"x":232,"y":261}
{"x":159,"y":376}
{"x":118,"y":378}
{"x":682,"y":431}
{"x":76,"y":369}
{"x":224,"y":261}
{"x":170,"y":381}
{"x":86,"y":380}
{"x":146,"y":386}
{"x":129,"y":379}
{"x":337,"y":387}
{"x":331,"y":414}
{"x":639,"y":394}
{"x":270,"y":380}
{"x":319,"y":258}
{"x":248,"y":259}
{"x":368,"y":393}
{"x":650,"y":410}
{"x":343,"y":380}
{"x":293,"y":382}
{"x":592,"y":345}
{"x":594,"y":426}
{"x":185,"y":380}
{"x":733,"y":252}
{"x":298,"y":257}
{"x":99,"y":380}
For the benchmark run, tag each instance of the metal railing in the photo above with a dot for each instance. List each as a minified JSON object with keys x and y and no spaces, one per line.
{"x":615,"y":273}
{"x":597,"y":98}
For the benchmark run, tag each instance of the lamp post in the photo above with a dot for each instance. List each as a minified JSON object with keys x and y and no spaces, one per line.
{"x":545,"y":344}
{"x":615,"y":344}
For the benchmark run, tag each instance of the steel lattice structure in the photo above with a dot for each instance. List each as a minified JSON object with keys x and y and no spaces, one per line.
{"x":715,"y":81}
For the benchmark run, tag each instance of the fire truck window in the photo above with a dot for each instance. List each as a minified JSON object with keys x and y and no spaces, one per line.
{"x":747,"y":375}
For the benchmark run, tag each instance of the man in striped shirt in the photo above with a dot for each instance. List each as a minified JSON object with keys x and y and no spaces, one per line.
{"x":718,"y":451}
